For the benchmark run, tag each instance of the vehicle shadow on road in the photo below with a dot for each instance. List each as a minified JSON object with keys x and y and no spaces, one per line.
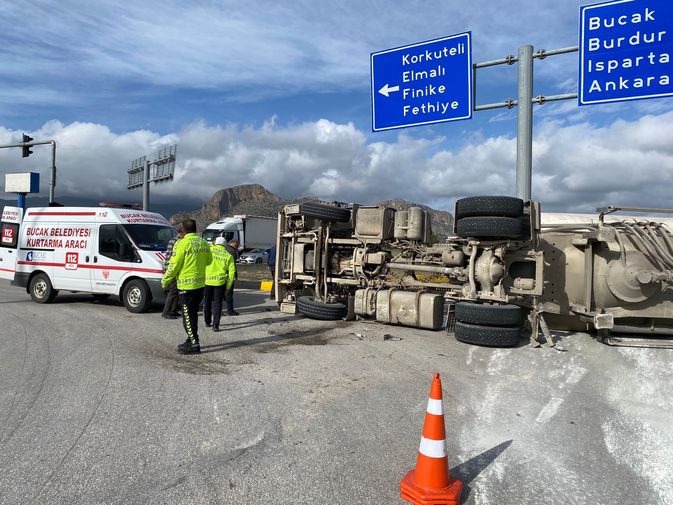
{"x":290,"y":336}
{"x":469,"y":470}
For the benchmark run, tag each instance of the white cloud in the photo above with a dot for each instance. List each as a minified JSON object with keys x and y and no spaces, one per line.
{"x":575,"y":167}
{"x":253,"y":49}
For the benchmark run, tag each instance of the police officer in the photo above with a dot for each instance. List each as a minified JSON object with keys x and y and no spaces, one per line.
{"x":187,"y":266}
{"x":219,"y":277}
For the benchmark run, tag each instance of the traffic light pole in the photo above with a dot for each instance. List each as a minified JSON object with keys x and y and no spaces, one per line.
{"x":52,"y":177}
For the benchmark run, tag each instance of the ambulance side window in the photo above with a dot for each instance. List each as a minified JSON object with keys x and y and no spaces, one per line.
{"x":9,"y":235}
{"x":114,"y":243}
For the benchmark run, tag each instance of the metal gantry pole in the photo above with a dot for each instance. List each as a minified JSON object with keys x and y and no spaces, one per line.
{"x":146,"y":186}
{"x":524,"y":102}
{"x":524,"y":137}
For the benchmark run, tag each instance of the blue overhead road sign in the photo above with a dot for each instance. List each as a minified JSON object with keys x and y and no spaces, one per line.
{"x":423,"y":83}
{"x":625,"y":51}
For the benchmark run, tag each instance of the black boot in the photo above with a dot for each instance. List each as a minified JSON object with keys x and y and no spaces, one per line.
{"x":188,"y":348}
{"x":216,"y":327}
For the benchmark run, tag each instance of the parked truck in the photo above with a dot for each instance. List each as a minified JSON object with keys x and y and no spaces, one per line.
{"x":507,"y":270}
{"x":250,"y":231}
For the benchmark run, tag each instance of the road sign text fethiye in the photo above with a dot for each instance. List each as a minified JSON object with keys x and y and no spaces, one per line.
{"x":428,"y":82}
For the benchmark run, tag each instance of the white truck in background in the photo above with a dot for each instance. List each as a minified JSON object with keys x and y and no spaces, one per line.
{"x":250,"y":231}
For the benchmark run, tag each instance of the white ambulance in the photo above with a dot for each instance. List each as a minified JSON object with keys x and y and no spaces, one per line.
{"x":98,"y":250}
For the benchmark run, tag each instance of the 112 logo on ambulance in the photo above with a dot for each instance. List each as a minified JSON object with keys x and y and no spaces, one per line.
{"x":71,"y":260}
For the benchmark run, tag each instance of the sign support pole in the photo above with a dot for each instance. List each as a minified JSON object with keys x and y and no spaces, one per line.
{"x":524,"y":140}
{"x":146,"y":186}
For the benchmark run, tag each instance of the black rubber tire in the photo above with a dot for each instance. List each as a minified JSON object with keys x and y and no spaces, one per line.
{"x":100,"y":296}
{"x":41,"y":290}
{"x":491,"y":227}
{"x":259,"y":261}
{"x":308,"y":306}
{"x":497,"y":206}
{"x":489,"y":336}
{"x":136,"y":296}
{"x":487,"y":314}
{"x":325,"y":212}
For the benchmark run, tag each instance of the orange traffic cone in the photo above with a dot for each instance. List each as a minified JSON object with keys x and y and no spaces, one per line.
{"x":430,"y":483}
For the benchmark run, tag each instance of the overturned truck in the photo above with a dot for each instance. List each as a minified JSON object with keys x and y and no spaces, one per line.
{"x":507,"y":271}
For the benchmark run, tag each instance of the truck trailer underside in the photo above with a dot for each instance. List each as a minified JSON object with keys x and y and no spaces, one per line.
{"x":507,"y":271}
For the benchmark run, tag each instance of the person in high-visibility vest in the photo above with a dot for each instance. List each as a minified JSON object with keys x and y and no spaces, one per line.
{"x":219,"y":277}
{"x":191,"y":256}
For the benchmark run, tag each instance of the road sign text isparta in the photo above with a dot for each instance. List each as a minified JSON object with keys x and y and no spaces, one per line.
{"x":445,"y":52}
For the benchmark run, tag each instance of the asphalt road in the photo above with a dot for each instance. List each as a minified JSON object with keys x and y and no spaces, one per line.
{"x":96,"y":407}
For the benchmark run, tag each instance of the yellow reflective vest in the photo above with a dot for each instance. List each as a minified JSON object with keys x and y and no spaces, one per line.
{"x":191,"y":256}
{"x":222,"y":269}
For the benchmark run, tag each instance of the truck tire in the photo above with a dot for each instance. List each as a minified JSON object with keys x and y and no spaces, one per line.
{"x":136,"y":296}
{"x":41,"y":290}
{"x":489,"y":336}
{"x":491,"y":315}
{"x":491,"y":227}
{"x":308,"y":306}
{"x":325,"y":212}
{"x":497,"y":206}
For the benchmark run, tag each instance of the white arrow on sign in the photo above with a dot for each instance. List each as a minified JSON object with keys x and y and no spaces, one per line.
{"x":385,"y":90}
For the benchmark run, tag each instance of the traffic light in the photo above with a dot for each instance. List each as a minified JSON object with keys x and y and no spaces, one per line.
{"x":25,"y":150}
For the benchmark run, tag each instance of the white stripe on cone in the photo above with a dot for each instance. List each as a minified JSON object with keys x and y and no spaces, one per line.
{"x":432,"y":448}
{"x":435,"y":407}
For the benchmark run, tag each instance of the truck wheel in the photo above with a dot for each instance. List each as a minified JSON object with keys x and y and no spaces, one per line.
{"x":491,"y":227}
{"x":41,"y":290}
{"x":308,"y":306}
{"x":492,"y":315}
{"x":325,"y":212}
{"x":136,"y":296}
{"x":502,"y":206}
{"x":490,"y":336}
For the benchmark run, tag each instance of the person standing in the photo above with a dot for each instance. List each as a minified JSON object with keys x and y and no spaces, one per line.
{"x":272,"y":269}
{"x":219,"y":277}
{"x":187,"y":266}
{"x":232,"y":248}
{"x":171,"y":304}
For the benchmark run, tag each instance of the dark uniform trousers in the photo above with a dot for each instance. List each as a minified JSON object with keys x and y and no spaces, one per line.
{"x":189,"y":301}
{"x":171,"y":304}
{"x":212,"y":303}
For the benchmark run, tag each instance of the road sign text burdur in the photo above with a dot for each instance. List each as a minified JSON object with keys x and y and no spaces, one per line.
{"x":625,"y":51}
{"x":423,"y":83}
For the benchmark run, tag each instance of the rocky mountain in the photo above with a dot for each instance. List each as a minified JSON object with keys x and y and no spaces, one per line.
{"x":256,"y":199}
{"x":245,"y":199}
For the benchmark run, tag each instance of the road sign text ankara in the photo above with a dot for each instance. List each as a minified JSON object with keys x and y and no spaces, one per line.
{"x":625,"y":51}
{"x":423,"y":83}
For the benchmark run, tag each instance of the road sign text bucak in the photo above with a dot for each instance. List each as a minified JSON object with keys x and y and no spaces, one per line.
{"x":625,"y":50}
{"x":428,"y":82}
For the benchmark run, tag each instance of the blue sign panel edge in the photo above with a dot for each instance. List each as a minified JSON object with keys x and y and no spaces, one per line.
{"x":467,"y":34}
{"x":580,"y":88}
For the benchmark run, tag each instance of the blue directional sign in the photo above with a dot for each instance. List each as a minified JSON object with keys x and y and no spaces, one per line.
{"x":625,"y":51}
{"x":423,"y":83}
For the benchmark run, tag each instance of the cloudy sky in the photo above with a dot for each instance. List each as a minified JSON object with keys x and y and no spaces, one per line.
{"x":278,"y":93}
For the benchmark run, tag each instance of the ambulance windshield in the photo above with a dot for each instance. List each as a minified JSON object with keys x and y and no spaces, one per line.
{"x":150,"y":237}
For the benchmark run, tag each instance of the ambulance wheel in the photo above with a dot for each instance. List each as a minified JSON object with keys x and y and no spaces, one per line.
{"x":136,"y":296}
{"x":41,"y":290}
